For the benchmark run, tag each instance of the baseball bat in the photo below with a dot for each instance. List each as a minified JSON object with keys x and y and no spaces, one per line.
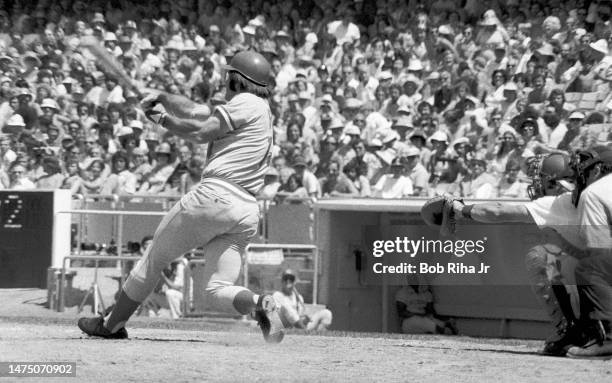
{"x":109,"y":63}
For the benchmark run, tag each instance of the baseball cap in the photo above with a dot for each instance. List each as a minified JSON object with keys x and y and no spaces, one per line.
{"x":336,"y":124}
{"x":300,"y":161}
{"x":163,"y":148}
{"x":352,"y":129}
{"x":403,"y":109}
{"x":403,"y":121}
{"x":408,"y":151}
{"x":439,"y":136}
{"x":327,"y":98}
{"x":577,"y":116}
{"x":136,"y":124}
{"x":389,"y":136}
{"x":385,"y":75}
{"x":461,"y":140}
{"x":352,"y":103}
{"x":49,"y":103}
{"x":272,"y":172}
{"x":288,"y":274}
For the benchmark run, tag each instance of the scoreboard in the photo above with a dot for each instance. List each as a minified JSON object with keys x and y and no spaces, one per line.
{"x":33,"y":236}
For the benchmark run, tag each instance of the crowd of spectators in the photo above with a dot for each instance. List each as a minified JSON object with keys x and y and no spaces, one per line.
{"x":373,"y":98}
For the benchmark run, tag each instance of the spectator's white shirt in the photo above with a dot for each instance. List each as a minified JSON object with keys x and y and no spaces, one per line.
{"x":149,"y":64}
{"x":556,"y":136}
{"x":374,"y":164}
{"x":391,"y":187}
{"x":343,"y":33}
{"x":285,"y":76}
{"x":23,"y":184}
{"x":179,"y":274}
{"x":370,"y":89}
{"x":375,"y":124}
{"x":121,"y":183}
{"x":8,"y":158}
{"x":115,"y":95}
{"x":291,"y":307}
{"x":420,"y":177}
{"x":311,"y":184}
{"x":269,"y":190}
{"x":95,"y":95}
{"x":409,"y":101}
{"x":517,"y":189}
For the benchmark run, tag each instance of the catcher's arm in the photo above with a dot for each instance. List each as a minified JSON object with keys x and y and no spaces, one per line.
{"x":493,"y":212}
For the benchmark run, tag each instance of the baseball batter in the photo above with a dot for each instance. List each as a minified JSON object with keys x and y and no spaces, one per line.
{"x":558,"y":219}
{"x":221,"y":214}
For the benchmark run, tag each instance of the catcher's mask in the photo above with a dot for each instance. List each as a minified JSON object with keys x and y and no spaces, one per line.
{"x":546,"y":174}
{"x":581,"y":163}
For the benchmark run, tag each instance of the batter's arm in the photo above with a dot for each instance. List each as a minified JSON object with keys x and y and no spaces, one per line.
{"x":495,"y":212}
{"x":198,"y":131}
{"x":181,"y":106}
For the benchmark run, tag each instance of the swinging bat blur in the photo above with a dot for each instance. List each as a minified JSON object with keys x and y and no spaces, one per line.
{"x":109,"y":63}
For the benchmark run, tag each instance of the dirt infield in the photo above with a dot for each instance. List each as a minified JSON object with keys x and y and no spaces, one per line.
{"x":205,"y":351}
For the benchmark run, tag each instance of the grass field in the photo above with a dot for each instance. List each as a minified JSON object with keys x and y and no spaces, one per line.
{"x":232,"y":351}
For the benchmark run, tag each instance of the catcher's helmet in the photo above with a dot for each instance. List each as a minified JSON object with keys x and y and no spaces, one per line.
{"x":556,"y":166}
{"x":546,"y":174}
{"x":581,"y":164}
{"x":253,"y":66}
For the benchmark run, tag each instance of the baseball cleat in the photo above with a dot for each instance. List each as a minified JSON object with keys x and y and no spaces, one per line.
{"x":593,"y":350}
{"x":598,"y":345}
{"x":95,"y":327}
{"x":561,"y":341}
{"x":266,"y":314}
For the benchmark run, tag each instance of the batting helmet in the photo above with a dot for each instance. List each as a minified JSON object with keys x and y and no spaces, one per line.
{"x":252,"y":66}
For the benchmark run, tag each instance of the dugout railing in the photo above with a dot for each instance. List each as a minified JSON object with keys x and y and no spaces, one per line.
{"x":113,"y":222}
{"x":282,"y":220}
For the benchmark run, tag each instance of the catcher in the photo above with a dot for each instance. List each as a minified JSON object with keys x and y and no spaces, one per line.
{"x":552,"y":210}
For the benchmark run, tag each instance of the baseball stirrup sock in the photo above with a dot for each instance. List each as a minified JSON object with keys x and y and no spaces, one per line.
{"x":123,"y":310}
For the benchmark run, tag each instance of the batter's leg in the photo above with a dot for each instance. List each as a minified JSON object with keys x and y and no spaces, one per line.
{"x":224,"y":255}
{"x":174,"y":237}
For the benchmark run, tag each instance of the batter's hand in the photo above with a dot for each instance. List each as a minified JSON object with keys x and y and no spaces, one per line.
{"x":156,"y":113}
{"x":150,"y":100}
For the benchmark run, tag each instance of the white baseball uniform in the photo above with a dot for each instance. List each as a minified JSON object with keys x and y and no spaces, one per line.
{"x":221,"y":213}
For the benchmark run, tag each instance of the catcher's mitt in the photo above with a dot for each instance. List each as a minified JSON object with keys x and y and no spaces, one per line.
{"x":439,"y":211}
